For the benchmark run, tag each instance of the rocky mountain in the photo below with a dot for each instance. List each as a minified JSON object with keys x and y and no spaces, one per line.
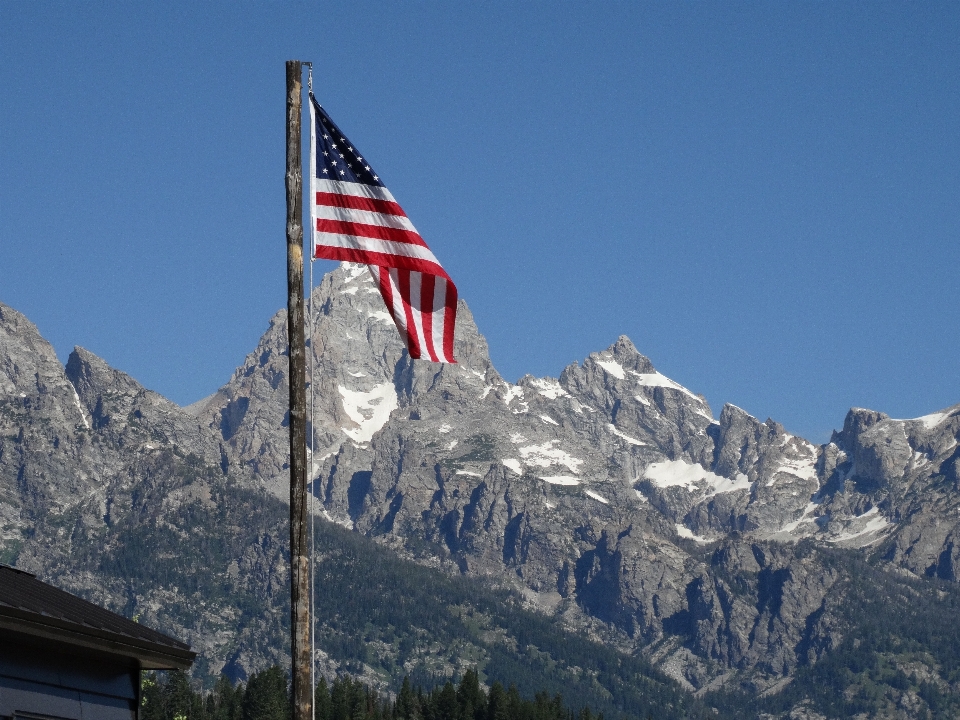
{"x":596,"y":492}
{"x":610,"y":497}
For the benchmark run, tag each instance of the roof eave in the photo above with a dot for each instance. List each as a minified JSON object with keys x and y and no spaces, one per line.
{"x":151,"y":656}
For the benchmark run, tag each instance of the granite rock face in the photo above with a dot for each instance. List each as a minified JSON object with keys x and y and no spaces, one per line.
{"x":101,"y":478}
{"x":598,"y":492}
{"x":609,"y":495}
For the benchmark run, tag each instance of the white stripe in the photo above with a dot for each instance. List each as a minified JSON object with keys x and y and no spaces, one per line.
{"x":364,"y":217}
{"x":439,"y":315}
{"x":354,"y":189}
{"x":399,"y":316}
{"x":416,"y":284}
{"x":388,"y":247}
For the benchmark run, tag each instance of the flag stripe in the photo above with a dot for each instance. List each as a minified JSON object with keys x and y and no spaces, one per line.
{"x":386,"y":292}
{"x":449,"y":318}
{"x":413,"y":309}
{"x":426,"y":311}
{"x":353,"y":189}
{"x":377,"y":247}
{"x":403,"y":277}
{"x":396,"y":306}
{"x":365,"y":217}
{"x":439,"y":315}
{"x":374,"y":232}
{"x":359,"y":203}
{"x":437,"y":312}
{"x":364,"y":257}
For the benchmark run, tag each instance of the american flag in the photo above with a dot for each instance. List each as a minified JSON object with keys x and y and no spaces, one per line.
{"x":356,"y":219}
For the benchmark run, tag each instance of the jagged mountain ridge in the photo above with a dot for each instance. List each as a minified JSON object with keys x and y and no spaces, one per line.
{"x":616,"y":406}
{"x":608,"y":494}
{"x":523,"y":482}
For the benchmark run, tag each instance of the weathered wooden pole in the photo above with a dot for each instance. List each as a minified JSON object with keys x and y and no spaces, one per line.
{"x":301,"y":691}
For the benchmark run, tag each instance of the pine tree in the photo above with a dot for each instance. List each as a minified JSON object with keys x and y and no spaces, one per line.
{"x":446,"y":706}
{"x":340,"y":699}
{"x":266,"y":696}
{"x":497,"y":703}
{"x":151,"y":697}
{"x":322,"y":709}
{"x":473,"y":702}
{"x":517,"y":709}
{"x":406,"y":705}
{"x":179,"y":695}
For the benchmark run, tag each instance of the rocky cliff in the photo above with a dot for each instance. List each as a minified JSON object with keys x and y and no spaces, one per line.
{"x":610,"y":496}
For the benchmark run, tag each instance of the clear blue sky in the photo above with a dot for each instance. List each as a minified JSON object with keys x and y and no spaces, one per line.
{"x":764,"y":196}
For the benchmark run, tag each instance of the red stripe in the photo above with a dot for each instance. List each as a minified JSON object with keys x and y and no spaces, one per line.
{"x":377,"y":232}
{"x":384,"y":260}
{"x":427,"y":283}
{"x":359,"y":203}
{"x":386,"y":292}
{"x":403,"y":285}
{"x":449,"y":320}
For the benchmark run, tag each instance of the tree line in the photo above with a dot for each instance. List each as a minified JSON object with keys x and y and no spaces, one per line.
{"x":170,"y":696}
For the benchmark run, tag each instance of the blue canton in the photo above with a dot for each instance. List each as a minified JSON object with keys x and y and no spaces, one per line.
{"x":337,"y":158}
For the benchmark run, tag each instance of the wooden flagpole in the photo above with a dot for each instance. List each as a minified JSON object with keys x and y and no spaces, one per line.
{"x":301,"y":692}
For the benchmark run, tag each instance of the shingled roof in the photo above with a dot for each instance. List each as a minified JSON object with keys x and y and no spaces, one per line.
{"x":31,"y":607}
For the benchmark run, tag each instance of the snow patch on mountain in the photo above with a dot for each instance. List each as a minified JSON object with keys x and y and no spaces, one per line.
{"x":807,"y":517}
{"x":369,"y":409}
{"x":83,"y":415}
{"x":656,"y":379}
{"x":355,"y":270}
{"x":560,"y":479}
{"x":678,"y":473}
{"x":613,"y":368}
{"x":513,"y":392}
{"x":513,"y":464}
{"x":596,"y":496}
{"x":549,"y":388}
{"x":545,"y":455}
{"x":804,"y":467}
{"x":685,"y":532}
{"x":868,"y":533}
{"x":633,"y":441}
{"x":933,"y":419}
{"x":381,"y":315}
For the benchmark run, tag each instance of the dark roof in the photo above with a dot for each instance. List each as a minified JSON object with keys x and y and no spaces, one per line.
{"x":29,"y":606}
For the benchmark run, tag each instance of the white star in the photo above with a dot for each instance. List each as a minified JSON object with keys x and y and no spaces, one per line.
{"x":334,"y":163}
{"x":325,"y":171}
{"x":360,"y":159}
{"x":367,"y":168}
{"x":350,"y":149}
{"x":333,"y":145}
{"x":326,"y":137}
{"x":376,"y":178}
{"x":343,"y":172}
{"x":325,"y":153}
